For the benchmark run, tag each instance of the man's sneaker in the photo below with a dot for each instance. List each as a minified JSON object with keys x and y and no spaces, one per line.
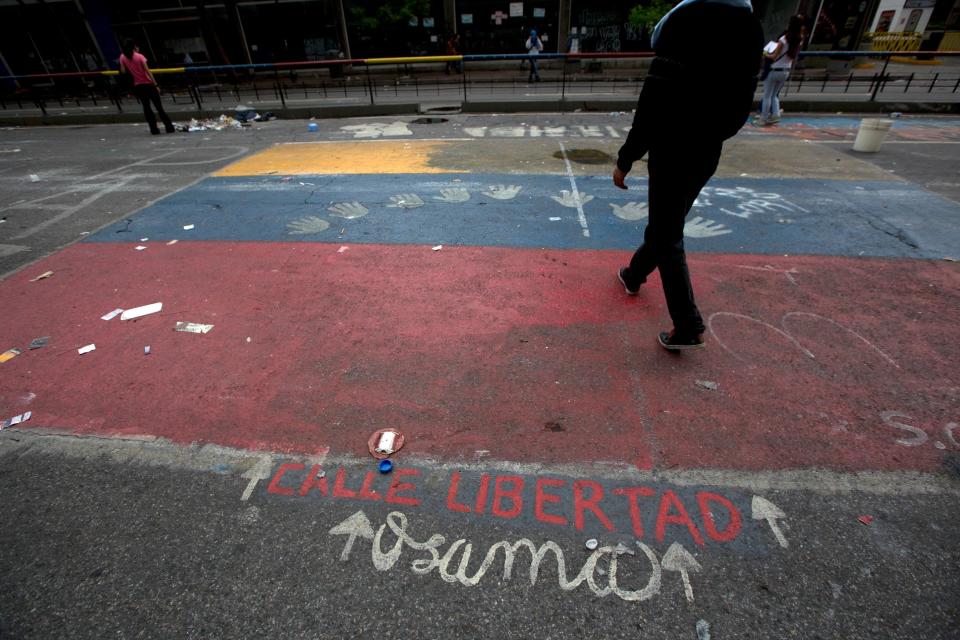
{"x":672,"y":342}
{"x":623,"y":281}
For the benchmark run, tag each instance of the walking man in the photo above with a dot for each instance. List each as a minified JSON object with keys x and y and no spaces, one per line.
{"x":698,"y":93}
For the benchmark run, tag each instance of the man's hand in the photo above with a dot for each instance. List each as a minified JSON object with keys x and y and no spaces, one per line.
{"x":619,"y":177}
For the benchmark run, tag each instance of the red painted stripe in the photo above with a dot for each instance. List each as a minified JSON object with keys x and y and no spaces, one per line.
{"x":471,"y":352}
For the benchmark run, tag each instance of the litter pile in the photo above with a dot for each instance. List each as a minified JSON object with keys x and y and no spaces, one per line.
{"x":215,"y":124}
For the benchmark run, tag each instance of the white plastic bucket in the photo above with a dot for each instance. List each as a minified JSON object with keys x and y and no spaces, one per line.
{"x":871,"y":134}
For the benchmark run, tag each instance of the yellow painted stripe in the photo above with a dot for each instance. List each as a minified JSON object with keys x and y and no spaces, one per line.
{"x":387,"y":156}
{"x":409,"y":59}
{"x":164,"y":70}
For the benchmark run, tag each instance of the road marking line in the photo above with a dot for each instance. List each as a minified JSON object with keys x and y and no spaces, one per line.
{"x":576,"y":193}
{"x":72,"y":210}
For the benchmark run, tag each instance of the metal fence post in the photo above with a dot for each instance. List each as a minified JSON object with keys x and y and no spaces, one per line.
{"x":370,"y":85}
{"x":563,"y":84}
{"x":881,"y":80}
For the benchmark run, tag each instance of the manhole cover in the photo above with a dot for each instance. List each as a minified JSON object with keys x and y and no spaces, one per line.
{"x":586,"y":156}
{"x":428,"y":121}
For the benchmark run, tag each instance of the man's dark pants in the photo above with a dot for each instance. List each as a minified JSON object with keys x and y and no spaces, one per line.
{"x":678,"y":172}
{"x":148,"y":93}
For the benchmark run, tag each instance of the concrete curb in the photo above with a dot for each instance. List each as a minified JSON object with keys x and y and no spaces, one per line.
{"x":473,"y":107}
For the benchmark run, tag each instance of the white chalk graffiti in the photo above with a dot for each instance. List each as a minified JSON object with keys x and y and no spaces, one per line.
{"x":746,"y":201}
{"x":378,"y":129}
{"x":453,"y":195}
{"x":502,"y":192}
{"x":702,"y":228}
{"x":579,"y":131}
{"x":631,"y":211}
{"x":308,"y":225}
{"x":570,"y":199}
{"x":405,"y":201}
{"x":348,"y":210}
{"x":785,"y":331}
{"x":919,"y":435}
{"x":677,"y":559}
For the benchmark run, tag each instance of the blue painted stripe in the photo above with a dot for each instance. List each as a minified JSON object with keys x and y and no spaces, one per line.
{"x":762,"y":215}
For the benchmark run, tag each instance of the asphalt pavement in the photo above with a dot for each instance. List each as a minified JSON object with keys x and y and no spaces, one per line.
{"x":560,"y":475}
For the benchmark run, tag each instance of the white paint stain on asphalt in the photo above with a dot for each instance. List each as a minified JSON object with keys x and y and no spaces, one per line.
{"x":576,"y":193}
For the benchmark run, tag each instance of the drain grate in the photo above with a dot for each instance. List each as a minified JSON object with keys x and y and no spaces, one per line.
{"x":586,"y":156}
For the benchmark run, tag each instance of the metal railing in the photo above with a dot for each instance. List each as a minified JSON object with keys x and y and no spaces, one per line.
{"x":564,"y":78}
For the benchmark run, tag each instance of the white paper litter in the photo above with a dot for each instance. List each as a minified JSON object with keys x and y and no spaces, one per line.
{"x":113,"y":314}
{"x":34,"y":177}
{"x":145,"y":310}
{"x":144,"y":239}
{"x":140,"y":247}
{"x":554,"y":219}
{"x":9,"y":422}
{"x":342,"y":249}
{"x":171,"y":242}
{"x":438,"y":247}
{"x":187,"y":227}
{"x":193,"y":327}
{"x":87,"y":349}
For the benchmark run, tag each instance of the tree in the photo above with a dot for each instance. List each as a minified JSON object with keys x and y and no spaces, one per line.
{"x":649,"y":14}
{"x":389,"y":14}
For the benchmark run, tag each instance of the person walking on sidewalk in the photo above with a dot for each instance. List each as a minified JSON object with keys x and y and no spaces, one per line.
{"x":534,"y":46}
{"x":144,"y":85}
{"x":703,"y":48}
{"x":779,"y":56}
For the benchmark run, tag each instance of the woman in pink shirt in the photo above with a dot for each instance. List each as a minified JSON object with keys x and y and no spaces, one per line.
{"x":144,"y":86}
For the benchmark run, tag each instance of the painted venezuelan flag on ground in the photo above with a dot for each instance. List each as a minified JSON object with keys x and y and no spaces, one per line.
{"x":473,"y":304}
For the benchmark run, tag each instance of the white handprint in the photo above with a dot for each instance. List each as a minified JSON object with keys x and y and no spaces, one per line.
{"x":701,"y":228}
{"x":348,"y":210}
{"x":406,"y":201}
{"x":568,"y":199}
{"x":453,"y":195}
{"x":502,"y":192}
{"x":630,"y":211}
{"x":310,"y":224}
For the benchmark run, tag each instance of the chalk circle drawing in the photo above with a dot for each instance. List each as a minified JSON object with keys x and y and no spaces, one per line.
{"x":378,"y":129}
{"x":307,"y":226}
{"x":348,"y":210}
{"x":453,"y":196}
{"x":569,"y":199}
{"x":785,"y":332}
{"x":702,"y":228}
{"x":405,"y":201}
{"x":631,"y":211}
{"x":358,"y":525}
{"x":502,"y":192}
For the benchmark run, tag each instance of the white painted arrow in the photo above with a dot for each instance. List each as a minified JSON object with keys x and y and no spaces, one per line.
{"x":258,"y":472}
{"x":763,"y":509}
{"x":679,"y":559}
{"x":355,"y":525}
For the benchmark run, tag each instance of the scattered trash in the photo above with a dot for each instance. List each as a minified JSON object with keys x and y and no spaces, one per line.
{"x":145,"y":310}
{"x":592,"y":544}
{"x":193,"y":327}
{"x":707,"y":384}
{"x":342,"y":249}
{"x":87,"y":349}
{"x":40,"y":343}
{"x":384,"y":443}
{"x":139,"y":247}
{"x":244,"y":113}
{"x":146,"y":350}
{"x":144,"y":239}
{"x":949,"y":259}
{"x":113,"y":314}
{"x":171,"y":242}
{"x":867,"y":520}
{"x":622,"y":549}
{"x":42,"y":276}
{"x":187,"y":227}
{"x":437,"y":248}
{"x":9,"y":422}
{"x":895,"y":114}
{"x":307,"y":184}
{"x":385,"y":466}
{"x":554,"y":219}
{"x":248,"y":340}
{"x":286,"y":179}
{"x":312,"y":127}
{"x":217,"y":124}
{"x":10,"y":354}
{"x":34,"y":177}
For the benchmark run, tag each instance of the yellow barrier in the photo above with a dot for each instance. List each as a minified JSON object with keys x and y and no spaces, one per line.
{"x":154,"y":71}
{"x":905,"y":41}
{"x":950,"y":42}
